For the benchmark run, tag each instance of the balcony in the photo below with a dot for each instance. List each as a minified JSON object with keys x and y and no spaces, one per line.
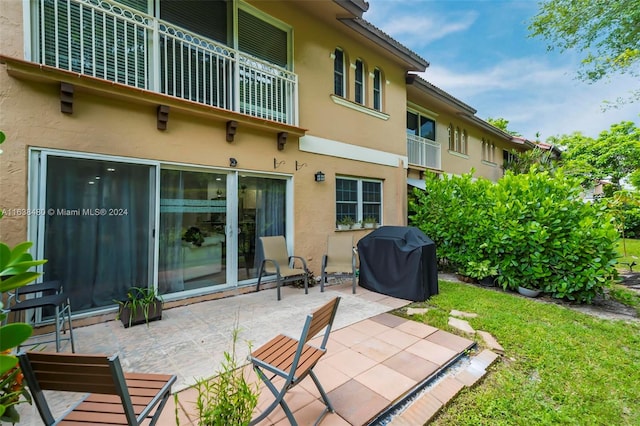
{"x":423,"y":152}
{"x":110,"y":41}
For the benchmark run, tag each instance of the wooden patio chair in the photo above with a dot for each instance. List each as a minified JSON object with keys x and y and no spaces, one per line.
{"x":277,"y":261}
{"x":115,"y":398}
{"x":292,"y":360}
{"x":339,"y":261}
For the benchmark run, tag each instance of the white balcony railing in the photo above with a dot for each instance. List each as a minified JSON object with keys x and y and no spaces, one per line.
{"x":110,"y":41}
{"x":423,"y":152}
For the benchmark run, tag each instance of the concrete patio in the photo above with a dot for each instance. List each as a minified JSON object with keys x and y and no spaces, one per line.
{"x":374,"y":358}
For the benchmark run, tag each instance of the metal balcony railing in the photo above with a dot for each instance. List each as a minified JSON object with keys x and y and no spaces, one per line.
{"x":110,"y":41}
{"x":423,"y":152}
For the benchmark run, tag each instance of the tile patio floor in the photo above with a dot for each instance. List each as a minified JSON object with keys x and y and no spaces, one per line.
{"x":373,"y":358}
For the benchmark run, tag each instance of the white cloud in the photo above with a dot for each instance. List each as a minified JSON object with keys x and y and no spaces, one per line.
{"x":422,"y":30}
{"x":537,"y":97}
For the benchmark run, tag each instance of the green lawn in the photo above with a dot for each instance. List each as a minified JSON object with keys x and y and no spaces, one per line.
{"x":560,"y":367}
{"x":632,"y":254}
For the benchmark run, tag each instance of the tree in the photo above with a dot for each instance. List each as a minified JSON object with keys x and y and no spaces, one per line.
{"x":615,"y":154}
{"x":606,"y":31}
{"x":502,"y":124}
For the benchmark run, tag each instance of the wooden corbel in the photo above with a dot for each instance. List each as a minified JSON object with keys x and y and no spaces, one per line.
{"x":66,"y":98}
{"x":163,"y":116}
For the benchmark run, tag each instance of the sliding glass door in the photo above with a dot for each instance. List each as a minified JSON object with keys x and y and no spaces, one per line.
{"x":97,"y":228}
{"x":111,"y":224}
{"x":193,"y":224}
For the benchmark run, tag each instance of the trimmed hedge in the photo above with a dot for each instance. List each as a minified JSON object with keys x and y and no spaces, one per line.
{"x":533,"y":227}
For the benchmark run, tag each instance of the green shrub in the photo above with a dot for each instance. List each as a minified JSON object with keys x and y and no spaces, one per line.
{"x":534,"y":227}
{"x":452,"y":212}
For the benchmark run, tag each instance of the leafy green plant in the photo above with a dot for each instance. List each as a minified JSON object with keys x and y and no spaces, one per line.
{"x":346,"y":221}
{"x":229,"y":398}
{"x":139,"y":299}
{"x":194,"y":236}
{"x":479,"y":270}
{"x":369,"y":219}
{"x":14,"y":273}
{"x":533,"y":227}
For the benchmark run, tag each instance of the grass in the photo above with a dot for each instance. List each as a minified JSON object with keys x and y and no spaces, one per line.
{"x":632,"y":247}
{"x":560,"y":366}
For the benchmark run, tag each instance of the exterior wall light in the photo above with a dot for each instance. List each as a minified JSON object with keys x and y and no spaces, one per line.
{"x":319,"y":176}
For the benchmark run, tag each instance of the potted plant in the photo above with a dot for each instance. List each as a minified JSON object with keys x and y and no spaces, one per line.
{"x":369,"y":222}
{"x":142,"y":305}
{"x":345,"y":223}
{"x":194,"y":236}
{"x":357,"y":225}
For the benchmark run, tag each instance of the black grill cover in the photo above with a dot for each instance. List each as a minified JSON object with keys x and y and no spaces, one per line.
{"x":399,"y":261}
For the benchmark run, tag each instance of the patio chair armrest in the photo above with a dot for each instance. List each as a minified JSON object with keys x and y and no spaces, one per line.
{"x":304,"y":263}
{"x":274,"y":262}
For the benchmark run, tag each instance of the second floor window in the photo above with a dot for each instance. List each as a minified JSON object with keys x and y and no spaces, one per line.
{"x":358,"y":199}
{"x":420,"y":125}
{"x":359,"y":82}
{"x":338,"y":72}
{"x":377,"y":89}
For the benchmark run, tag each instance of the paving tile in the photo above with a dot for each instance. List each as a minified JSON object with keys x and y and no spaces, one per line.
{"x":417,"y":329}
{"x":356,"y":403}
{"x":451,"y":341}
{"x":330,"y":378}
{"x":420,"y":412}
{"x":349,"y":337}
{"x":296,"y":398}
{"x":376,"y":349}
{"x":388,"y":319}
{"x":398,"y":338}
{"x":394,"y":303}
{"x":412,"y":366}
{"x":350,"y":362}
{"x":386,"y":381}
{"x":486,"y":357}
{"x":469,"y":376}
{"x":371,"y":295}
{"x":432,"y":352}
{"x":417,"y":311}
{"x":446,"y":390}
{"x":462,"y":314}
{"x":461,"y":325}
{"x":491,"y":342}
{"x":369,"y":327}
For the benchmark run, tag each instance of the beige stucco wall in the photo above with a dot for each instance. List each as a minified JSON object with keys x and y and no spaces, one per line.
{"x":30,"y":116}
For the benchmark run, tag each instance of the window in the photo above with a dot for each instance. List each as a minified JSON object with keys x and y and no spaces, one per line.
{"x":488,"y":151}
{"x":420,"y":125}
{"x":464,"y":142}
{"x":377,"y":89}
{"x":451,"y":136}
{"x":359,"y":82}
{"x":358,"y":199}
{"x":338,"y":72}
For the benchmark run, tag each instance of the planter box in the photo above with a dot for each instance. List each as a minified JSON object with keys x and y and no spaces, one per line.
{"x":155,"y":313}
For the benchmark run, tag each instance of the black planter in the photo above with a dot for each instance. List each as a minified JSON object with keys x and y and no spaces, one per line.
{"x":129,"y":318}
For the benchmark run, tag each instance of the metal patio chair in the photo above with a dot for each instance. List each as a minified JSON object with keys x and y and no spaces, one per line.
{"x":293,"y":360}
{"x":339,"y":261}
{"x":277,"y":261}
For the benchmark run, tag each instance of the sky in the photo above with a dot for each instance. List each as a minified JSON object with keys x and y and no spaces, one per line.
{"x":481,"y":53}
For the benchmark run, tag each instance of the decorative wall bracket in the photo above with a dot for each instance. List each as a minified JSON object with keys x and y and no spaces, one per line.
{"x":66,"y":98}
{"x":163,"y":116}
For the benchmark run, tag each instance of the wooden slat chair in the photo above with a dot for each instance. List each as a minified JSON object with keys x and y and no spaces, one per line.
{"x":277,"y":261}
{"x":115,"y":398}
{"x":293,"y":360}
{"x":339,"y":261}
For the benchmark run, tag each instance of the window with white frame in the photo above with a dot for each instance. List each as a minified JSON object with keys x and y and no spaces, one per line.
{"x":488,"y":151}
{"x":377,"y":89}
{"x":452,"y":144}
{"x":358,"y":199}
{"x":359,"y":82}
{"x":420,"y":125}
{"x":458,"y":139}
{"x":464,"y":142}
{"x":338,"y":72}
